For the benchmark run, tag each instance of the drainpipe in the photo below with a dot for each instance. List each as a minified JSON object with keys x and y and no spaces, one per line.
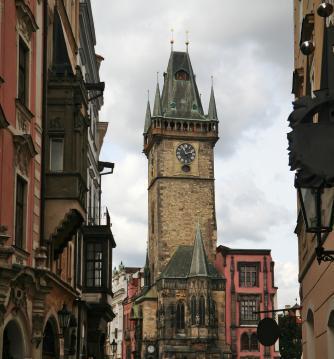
{"x":44,"y":120}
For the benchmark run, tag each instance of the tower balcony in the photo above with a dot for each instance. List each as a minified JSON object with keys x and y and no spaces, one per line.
{"x":180,"y":128}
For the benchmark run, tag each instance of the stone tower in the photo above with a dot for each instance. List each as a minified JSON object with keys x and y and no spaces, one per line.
{"x":178,"y":141}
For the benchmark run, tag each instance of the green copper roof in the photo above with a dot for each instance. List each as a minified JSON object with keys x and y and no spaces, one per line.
{"x":180,"y":97}
{"x":190,"y":261}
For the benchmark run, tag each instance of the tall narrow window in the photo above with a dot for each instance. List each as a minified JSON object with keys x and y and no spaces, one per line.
{"x":244,"y":342}
{"x":56,"y":154}
{"x":201,"y":310}
{"x":193,"y":310}
{"x":23,"y":72}
{"x":254,"y":342}
{"x":180,"y":316}
{"x":94,"y":264}
{"x":248,"y":305}
{"x":20,"y":211}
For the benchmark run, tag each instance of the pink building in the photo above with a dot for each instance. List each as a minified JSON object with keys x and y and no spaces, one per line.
{"x":250,"y":287}
{"x":130,"y":317}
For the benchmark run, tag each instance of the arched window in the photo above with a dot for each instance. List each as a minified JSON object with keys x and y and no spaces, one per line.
{"x":212,"y":311}
{"x":310,"y":342}
{"x":180,"y":316}
{"x":182,"y":75}
{"x":201,"y":310}
{"x":254,"y":342}
{"x":244,"y":342}
{"x":193,"y":309}
{"x":330,"y":334}
{"x":171,"y":310}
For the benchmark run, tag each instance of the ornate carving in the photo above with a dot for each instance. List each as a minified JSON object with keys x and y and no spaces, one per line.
{"x":26,"y":20}
{"x":23,"y":117}
{"x":25,"y":150}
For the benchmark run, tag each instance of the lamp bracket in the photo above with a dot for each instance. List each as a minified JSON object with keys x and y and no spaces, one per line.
{"x":323,"y":255}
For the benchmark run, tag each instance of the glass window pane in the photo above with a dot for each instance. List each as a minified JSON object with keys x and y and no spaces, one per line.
{"x":56,"y":154}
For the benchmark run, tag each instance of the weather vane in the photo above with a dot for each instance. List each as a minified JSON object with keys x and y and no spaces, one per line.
{"x":187,"y":39}
{"x":172,"y":38}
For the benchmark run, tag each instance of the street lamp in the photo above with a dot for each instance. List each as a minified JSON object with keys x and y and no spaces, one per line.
{"x":311,"y":145}
{"x":114,"y":347}
{"x":317,"y":205}
{"x":64,"y":316}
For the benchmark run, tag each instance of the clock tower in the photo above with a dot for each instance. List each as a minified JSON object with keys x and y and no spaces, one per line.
{"x":179,"y":142}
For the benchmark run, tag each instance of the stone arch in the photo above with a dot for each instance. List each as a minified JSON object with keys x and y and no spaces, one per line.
{"x":14,"y":344}
{"x":310,"y":340}
{"x":50,"y":345}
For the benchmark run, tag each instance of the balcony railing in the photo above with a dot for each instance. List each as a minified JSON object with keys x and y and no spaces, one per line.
{"x":98,"y":216}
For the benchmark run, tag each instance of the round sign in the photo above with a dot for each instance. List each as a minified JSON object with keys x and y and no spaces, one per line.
{"x":267,"y":331}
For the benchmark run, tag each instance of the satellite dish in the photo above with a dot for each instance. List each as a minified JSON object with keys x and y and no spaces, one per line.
{"x":267,"y":331}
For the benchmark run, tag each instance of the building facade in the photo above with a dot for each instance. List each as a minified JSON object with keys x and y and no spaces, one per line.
{"x":250,"y":287}
{"x":181,"y":310}
{"x":55,"y":262}
{"x":120,"y":286}
{"x":311,"y":74}
{"x":22,"y":290}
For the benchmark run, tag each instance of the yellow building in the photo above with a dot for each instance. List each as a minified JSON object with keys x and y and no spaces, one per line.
{"x":316,"y":280}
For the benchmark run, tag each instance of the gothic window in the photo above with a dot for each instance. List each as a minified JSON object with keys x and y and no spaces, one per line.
{"x":193,"y":310}
{"x":56,"y":154}
{"x":182,"y":75}
{"x":180,"y":322}
{"x":20,"y":211}
{"x":248,"y":305}
{"x":212,"y":311}
{"x":171,"y":314}
{"x":94,"y":264}
{"x":201,"y":310}
{"x":23,"y":72}
{"x":248,"y":275}
{"x":152,"y":217}
{"x":254,"y":342}
{"x":244,"y":342}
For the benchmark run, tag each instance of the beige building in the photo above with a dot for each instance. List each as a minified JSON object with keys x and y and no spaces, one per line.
{"x":316,"y":280}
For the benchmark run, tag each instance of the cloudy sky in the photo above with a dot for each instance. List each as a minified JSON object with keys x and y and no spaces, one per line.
{"x":247,"y":47}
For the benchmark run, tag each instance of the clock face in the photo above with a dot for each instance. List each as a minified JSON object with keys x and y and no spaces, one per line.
{"x":185,"y":153}
{"x":150,"y":349}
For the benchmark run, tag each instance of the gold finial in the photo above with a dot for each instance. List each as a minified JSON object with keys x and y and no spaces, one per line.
{"x":172,"y":38}
{"x":187,"y":39}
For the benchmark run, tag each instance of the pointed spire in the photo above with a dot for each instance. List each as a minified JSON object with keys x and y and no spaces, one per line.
{"x":212,"y":112}
{"x":157,"y":109}
{"x":180,"y":97}
{"x":199,"y":262}
{"x":147,"y":271}
{"x":147,"y":117}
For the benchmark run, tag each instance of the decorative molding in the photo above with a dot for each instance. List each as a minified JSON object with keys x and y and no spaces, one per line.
{"x":26,"y":20}
{"x":23,"y":117}
{"x":25,"y":151}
